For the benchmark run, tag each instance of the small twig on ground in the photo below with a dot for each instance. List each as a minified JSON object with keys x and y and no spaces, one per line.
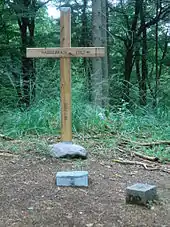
{"x":165,"y":170}
{"x":127,"y":162}
{"x":7,"y":154}
{"x":121,"y":150}
{"x":145,"y":165}
{"x":140,"y":155}
{"x":5,"y":137}
{"x":150,"y":158}
{"x":156,"y":143}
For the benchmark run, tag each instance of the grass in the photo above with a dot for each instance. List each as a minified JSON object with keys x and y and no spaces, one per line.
{"x":27,"y":146}
{"x":43,"y":119}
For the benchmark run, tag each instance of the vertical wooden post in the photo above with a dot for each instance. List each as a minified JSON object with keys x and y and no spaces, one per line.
{"x":65,"y":70}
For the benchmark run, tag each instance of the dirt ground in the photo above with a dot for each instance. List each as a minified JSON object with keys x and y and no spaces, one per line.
{"x":29,"y":196}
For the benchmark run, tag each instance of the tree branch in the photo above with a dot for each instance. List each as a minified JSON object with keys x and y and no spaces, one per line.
{"x":163,"y":12}
{"x":119,"y":37}
{"x":122,"y":11}
{"x":41,"y":4}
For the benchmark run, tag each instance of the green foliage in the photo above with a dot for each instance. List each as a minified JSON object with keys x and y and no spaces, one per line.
{"x":43,"y":117}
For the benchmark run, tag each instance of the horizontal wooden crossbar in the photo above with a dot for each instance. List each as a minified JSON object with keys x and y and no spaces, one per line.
{"x":64,"y":52}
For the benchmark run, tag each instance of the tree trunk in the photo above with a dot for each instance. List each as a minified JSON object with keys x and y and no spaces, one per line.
{"x":144,"y":58}
{"x":85,"y":43}
{"x":129,"y":58}
{"x":27,"y":27}
{"x":96,"y":77}
{"x":165,"y":50}
{"x":104,"y":6}
{"x":26,"y":12}
{"x":144,"y":71}
{"x":128,"y":64}
{"x":137,"y":64}
{"x":156,"y":57}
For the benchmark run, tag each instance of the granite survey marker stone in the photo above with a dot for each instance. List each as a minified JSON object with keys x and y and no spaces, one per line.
{"x":141,"y":193}
{"x":68,"y":150}
{"x":72,"y":178}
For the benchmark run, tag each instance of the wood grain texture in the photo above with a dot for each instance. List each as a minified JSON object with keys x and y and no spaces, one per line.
{"x":65,"y":72}
{"x":65,"y":52}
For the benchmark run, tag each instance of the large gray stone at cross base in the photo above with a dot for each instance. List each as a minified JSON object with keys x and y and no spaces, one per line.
{"x":68,"y":150}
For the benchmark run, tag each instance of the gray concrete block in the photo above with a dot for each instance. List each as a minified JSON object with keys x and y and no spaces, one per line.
{"x":72,"y":178}
{"x":141,"y":193}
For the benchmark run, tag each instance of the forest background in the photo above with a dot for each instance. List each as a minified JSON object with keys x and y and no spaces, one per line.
{"x":127,"y":93}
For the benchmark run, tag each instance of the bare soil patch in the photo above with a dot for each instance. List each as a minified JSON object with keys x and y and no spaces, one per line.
{"x":29,"y":196}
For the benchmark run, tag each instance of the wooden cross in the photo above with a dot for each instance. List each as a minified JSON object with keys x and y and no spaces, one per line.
{"x":65,"y":52}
